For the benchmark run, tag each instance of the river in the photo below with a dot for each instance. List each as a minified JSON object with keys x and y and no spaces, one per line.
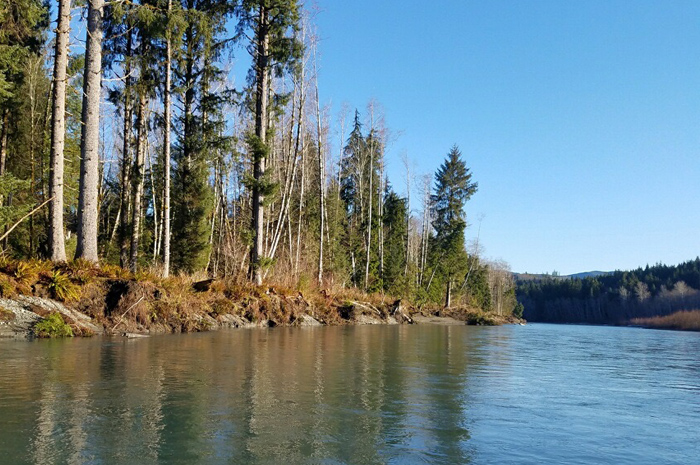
{"x":535,"y":394}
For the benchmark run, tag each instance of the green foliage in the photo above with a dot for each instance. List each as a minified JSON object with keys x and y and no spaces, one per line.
{"x":52,"y":326}
{"x":11,"y":185}
{"x":285,"y":50}
{"x":453,"y":187}
{"x":61,"y":287}
{"x":612,"y":297}
{"x":395,"y":230}
{"x":477,"y":286}
{"x":518,"y":310}
{"x":22,"y":24}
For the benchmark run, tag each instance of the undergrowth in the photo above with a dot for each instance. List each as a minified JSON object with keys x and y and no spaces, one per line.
{"x":53,"y":326}
{"x":121,"y":301}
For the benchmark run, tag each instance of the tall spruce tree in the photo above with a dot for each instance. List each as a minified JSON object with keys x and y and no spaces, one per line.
{"x":274,"y":47}
{"x":199,"y":128}
{"x":395,"y":228}
{"x":453,"y":188}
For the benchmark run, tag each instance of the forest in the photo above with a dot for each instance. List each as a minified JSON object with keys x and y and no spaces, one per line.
{"x":130,"y":137}
{"x":612,"y":298}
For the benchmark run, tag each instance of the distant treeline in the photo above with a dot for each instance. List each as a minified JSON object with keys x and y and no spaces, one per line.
{"x":612,"y":298}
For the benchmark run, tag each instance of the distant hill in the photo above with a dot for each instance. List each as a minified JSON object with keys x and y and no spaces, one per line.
{"x":587,"y":274}
{"x":582,"y":275}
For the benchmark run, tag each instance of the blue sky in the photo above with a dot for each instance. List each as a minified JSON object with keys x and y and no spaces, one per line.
{"x":580,"y":120}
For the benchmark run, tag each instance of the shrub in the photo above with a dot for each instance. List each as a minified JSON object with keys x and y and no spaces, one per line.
{"x":52,"y":326}
{"x":61,"y":287}
{"x":82,"y":271}
{"x":8,"y":288}
{"x":25,"y":273}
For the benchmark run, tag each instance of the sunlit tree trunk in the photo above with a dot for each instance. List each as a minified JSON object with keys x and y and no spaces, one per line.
{"x":138,"y":180}
{"x":167,"y":116}
{"x":90,"y":136}
{"x":261,"y":98}
{"x":127,"y":161}
{"x":57,"y":247}
{"x":321,"y":180}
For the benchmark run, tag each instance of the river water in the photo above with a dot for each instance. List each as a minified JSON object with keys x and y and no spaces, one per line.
{"x":534,"y":394}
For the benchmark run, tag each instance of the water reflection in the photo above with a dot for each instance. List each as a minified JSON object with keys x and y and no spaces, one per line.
{"x":355,"y":395}
{"x":360,"y":395}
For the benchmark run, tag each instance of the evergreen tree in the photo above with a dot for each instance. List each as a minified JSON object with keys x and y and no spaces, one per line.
{"x":23,"y":24}
{"x":272,"y":48}
{"x":351,"y":190}
{"x":200,"y":129}
{"x":395,"y":228}
{"x":453,"y":188}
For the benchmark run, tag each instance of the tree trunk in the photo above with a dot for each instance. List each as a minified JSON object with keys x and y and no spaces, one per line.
{"x":166,"y":155}
{"x":90,"y":136}
{"x":138,"y":180}
{"x":371,"y":198}
{"x":321,"y":181}
{"x":127,"y":159}
{"x":261,"y":98}
{"x":448,"y":293}
{"x":3,"y":143}
{"x":57,"y":243}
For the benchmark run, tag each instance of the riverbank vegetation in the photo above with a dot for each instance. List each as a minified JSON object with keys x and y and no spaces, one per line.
{"x":615,"y":298}
{"x":112,"y":300}
{"x":153,"y":154}
{"x":683,"y":320}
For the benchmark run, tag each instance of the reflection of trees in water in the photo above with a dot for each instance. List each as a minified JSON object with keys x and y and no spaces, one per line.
{"x":354,"y":394}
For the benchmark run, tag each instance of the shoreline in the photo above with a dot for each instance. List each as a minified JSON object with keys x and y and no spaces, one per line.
{"x":81,"y":299}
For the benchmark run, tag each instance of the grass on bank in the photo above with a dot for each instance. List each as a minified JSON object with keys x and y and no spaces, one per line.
{"x":122,"y":301}
{"x":686,"y":320}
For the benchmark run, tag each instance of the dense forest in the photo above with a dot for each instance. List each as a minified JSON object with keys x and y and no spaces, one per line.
{"x":129,"y":136}
{"x":614,"y":298}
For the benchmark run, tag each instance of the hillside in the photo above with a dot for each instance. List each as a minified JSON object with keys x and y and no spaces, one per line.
{"x":611,"y":298}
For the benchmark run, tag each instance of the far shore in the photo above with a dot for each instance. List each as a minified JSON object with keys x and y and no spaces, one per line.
{"x":685,"y":320}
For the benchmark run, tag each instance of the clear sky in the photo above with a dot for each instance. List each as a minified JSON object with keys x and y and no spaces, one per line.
{"x":580,"y":120}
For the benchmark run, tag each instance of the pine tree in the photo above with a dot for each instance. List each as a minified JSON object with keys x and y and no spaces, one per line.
{"x":453,"y":188}
{"x":200,"y":129}
{"x":394,"y":221}
{"x":273,"y":48}
{"x":352,"y":193}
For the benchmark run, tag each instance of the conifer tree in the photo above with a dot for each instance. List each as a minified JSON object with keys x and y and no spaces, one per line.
{"x":273,"y":47}
{"x":395,"y":227}
{"x":199,"y":129}
{"x":453,"y":188}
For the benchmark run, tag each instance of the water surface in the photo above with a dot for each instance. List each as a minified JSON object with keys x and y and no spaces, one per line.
{"x":359,"y":395}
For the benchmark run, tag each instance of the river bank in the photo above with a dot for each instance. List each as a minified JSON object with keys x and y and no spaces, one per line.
{"x":686,"y":320}
{"x":95,"y":300}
